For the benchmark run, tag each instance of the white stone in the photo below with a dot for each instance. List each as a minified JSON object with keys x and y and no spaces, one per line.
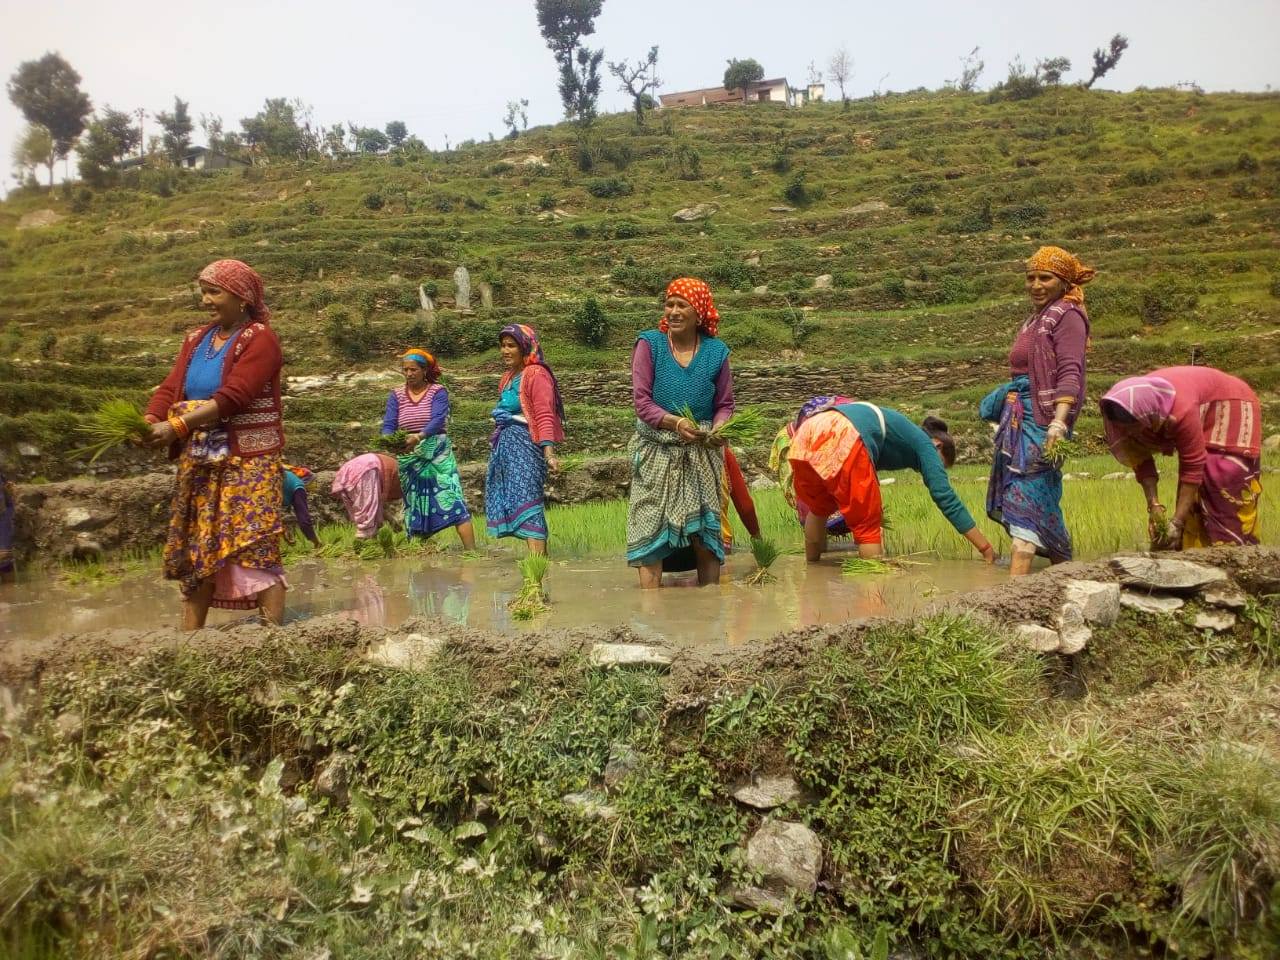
{"x":787,"y":855}
{"x":1037,"y":637}
{"x":1215,"y":620}
{"x":1226,"y":595}
{"x":76,"y":517}
{"x":824,"y":282}
{"x":1099,"y":601}
{"x":624,"y":760}
{"x":867,"y":206}
{"x":763,"y":288}
{"x":1073,"y":632}
{"x":699,"y":211}
{"x":888,"y":481}
{"x":1151,"y":603}
{"x":1272,"y":442}
{"x":1118,"y":475}
{"x":782,"y":209}
{"x":1165,"y":573}
{"x":590,"y":805}
{"x":39,"y":218}
{"x":758,"y":899}
{"x":413,"y":651}
{"x":28,"y":450}
{"x":766,"y":792}
{"x":629,"y":655}
{"x":462,"y":289}
{"x":763,"y":483}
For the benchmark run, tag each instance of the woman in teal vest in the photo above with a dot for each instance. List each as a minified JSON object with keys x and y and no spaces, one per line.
{"x":676,"y":463}
{"x":836,"y":456}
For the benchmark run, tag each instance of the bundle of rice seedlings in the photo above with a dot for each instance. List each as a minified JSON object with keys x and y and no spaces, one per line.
{"x":865,"y":566}
{"x":765,"y":552}
{"x":116,"y":422}
{"x":743,"y":427}
{"x":381,"y":546}
{"x":390,"y":442}
{"x":531,"y":600}
{"x":1065,"y":449}
{"x":1159,"y":527}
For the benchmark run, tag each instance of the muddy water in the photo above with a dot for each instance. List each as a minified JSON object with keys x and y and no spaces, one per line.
{"x":583,"y":593}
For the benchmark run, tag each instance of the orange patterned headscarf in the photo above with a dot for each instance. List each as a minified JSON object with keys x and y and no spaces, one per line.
{"x":1062,"y":264}
{"x":699,"y":296}
{"x":426,"y":360}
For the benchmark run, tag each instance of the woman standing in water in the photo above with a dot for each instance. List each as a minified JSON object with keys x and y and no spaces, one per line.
{"x":1214,"y":422}
{"x":218,"y":411}
{"x":836,"y":457}
{"x":676,"y":463}
{"x":528,"y":423}
{"x":429,"y":481}
{"x":1037,"y":408}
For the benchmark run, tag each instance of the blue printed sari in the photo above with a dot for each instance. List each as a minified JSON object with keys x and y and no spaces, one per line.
{"x":515,"y":481}
{"x":1024,"y":493}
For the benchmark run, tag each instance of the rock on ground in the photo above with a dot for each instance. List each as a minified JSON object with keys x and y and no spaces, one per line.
{"x":1226,"y":595}
{"x":1215,"y":620}
{"x":1151,"y":603}
{"x":1038,"y":638}
{"x":764,"y":792}
{"x":1073,"y":631}
{"x":623,"y":762}
{"x":415,"y":651}
{"x":629,"y":655}
{"x":787,"y":855}
{"x":334,"y":779}
{"x":1100,"y":602}
{"x":590,"y":805}
{"x":1165,"y":573}
{"x":699,"y":211}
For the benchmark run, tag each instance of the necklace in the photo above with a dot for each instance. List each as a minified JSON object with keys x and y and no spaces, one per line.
{"x":677,"y":353}
{"x":212,"y":350}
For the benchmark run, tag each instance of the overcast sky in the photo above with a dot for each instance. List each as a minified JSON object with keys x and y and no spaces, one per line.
{"x":448,"y":67}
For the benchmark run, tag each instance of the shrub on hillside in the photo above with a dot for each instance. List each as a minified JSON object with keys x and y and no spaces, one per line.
{"x":920,"y":206}
{"x":1199,"y":218}
{"x":349,"y":340}
{"x":894,"y":287}
{"x":686,"y":161}
{"x":606,"y":187}
{"x":449,"y":338}
{"x":590,"y":323}
{"x":239,"y":227}
{"x":1275,"y":285}
{"x":757,"y":332}
{"x":1143,"y":176}
{"x":1247,"y":163}
{"x":1168,"y":297}
{"x":799,"y":193}
{"x":548,"y":201}
{"x":731,"y":273}
{"x":1024,"y":215}
{"x":48,"y":344}
{"x":977,"y":220}
{"x":635,"y":278}
{"x":615,"y":152}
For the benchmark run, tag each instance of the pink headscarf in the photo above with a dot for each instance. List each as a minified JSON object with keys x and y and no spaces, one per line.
{"x":239,"y":278}
{"x":1149,"y":400}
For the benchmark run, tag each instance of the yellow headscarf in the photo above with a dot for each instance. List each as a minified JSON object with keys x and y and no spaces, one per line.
{"x":1062,"y":264}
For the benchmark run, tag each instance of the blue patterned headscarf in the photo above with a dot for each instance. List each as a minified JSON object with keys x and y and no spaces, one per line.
{"x":816,"y":404}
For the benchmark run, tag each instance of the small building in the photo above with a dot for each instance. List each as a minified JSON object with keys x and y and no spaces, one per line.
{"x":762,"y":91}
{"x":196,"y":158}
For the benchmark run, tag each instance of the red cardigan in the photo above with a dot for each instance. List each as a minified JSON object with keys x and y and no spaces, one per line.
{"x":249,"y":397}
{"x":537,"y":403}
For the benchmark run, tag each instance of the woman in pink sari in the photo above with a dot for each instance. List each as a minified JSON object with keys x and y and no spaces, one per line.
{"x":1213,"y":421}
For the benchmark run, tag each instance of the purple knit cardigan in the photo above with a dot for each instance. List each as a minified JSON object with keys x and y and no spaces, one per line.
{"x":1059,"y":335}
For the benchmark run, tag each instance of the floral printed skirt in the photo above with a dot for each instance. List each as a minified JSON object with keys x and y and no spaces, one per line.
{"x":226,"y":523}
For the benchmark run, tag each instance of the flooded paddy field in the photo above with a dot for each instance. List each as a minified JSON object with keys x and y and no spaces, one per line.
{"x":582,"y":592}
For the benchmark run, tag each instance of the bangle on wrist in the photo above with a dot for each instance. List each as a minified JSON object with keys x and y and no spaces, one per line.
{"x":180,"y":428}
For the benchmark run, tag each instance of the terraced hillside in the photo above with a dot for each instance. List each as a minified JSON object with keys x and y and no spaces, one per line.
{"x":915,"y":209}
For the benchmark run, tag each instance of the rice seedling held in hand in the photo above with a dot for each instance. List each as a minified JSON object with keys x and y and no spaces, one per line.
{"x":1065,"y":449}
{"x":390,"y":442}
{"x":531,"y":600}
{"x":743,"y":428}
{"x":113,"y":424}
{"x":765,"y":552}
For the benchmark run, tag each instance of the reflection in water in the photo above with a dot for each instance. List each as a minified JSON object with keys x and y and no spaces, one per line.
{"x":583,"y":593}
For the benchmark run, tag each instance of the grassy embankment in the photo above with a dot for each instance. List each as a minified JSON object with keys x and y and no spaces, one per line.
{"x":1171,"y":195}
{"x":166,"y":806}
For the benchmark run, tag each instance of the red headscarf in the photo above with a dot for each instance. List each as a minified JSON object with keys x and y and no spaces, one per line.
{"x":239,"y":278}
{"x":699,"y":296}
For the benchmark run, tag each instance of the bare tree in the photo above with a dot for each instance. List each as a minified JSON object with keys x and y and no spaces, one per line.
{"x":840,"y":66}
{"x":516,"y":118}
{"x":1051,"y":70}
{"x":971,"y":67}
{"x":1105,"y":60}
{"x":640,"y":80}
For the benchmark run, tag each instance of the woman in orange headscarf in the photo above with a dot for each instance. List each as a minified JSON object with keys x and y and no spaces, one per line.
{"x":1037,"y":408}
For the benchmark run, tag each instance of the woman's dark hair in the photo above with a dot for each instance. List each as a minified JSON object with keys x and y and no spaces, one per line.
{"x":937,"y":430}
{"x":1114,"y":412}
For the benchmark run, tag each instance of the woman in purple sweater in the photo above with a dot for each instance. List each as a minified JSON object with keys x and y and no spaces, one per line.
{"x":1037,"y":408}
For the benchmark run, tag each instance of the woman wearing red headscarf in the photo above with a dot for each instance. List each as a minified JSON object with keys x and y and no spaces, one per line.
{"x":678,"y":369}
{"x":218,"y":412}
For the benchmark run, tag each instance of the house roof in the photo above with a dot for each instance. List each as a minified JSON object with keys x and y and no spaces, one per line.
{"x":690,"y":98}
